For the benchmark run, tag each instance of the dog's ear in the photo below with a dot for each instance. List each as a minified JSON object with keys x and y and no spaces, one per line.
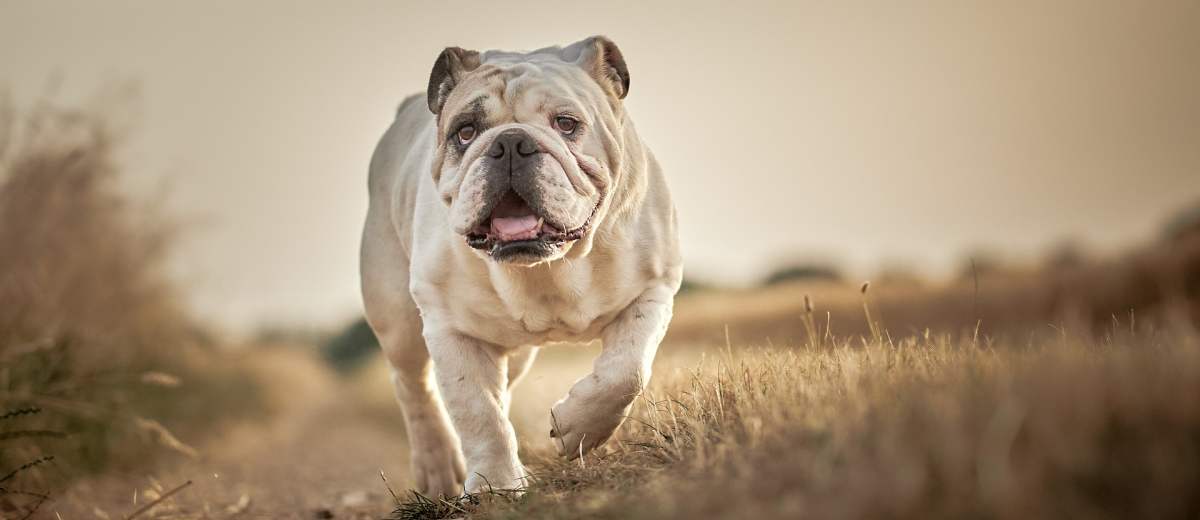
{"x":448,"y":70}
{"x":601,"y":58}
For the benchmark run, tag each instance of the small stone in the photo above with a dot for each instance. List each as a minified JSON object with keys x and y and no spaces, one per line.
{"x":355,"y":499}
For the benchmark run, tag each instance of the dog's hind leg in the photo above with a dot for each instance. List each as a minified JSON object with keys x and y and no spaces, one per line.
{"x":437,"y":464}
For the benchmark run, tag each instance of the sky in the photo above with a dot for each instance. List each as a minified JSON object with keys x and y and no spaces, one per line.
{"x":871,"y":134}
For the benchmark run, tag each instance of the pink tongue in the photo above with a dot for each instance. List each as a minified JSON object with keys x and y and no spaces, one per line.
{"x":515,"y":228}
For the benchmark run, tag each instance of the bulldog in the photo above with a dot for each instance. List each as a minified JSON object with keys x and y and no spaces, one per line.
{"x":513,"y":206}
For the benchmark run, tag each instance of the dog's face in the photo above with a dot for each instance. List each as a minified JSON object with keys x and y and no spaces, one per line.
{"x":528,"y":145}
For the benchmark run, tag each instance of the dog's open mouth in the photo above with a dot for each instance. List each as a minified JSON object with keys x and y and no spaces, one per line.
{"x":515,"y":228}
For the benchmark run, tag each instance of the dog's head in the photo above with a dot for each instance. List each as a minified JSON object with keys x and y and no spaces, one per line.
{"x":528,"y":145}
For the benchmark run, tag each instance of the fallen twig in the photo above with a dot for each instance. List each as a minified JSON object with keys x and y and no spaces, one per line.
{"x":158,"y":500}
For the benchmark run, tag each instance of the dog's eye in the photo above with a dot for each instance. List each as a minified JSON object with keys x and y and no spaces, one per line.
{"x":565,"y":124}
{"x":466,"y":134}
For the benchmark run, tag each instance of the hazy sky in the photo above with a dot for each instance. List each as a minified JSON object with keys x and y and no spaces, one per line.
{"x":869,"y":133}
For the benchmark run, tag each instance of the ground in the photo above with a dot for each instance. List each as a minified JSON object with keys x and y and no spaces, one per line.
{"x":1060,"y":424}
{"x":319,"y":452}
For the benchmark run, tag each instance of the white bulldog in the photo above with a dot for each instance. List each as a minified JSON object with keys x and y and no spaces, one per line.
{"x":524,"y":211}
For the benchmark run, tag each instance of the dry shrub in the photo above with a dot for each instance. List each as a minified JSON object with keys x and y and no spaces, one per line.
{"x":93,"y":338}
{"x":1062,"y":427}
{"x":77,"y":257}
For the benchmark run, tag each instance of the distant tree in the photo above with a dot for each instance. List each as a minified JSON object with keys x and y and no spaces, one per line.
{"x":1185,"y":223}
{"x":808,"y":271}
{"x":980,"y":263}
{"x":352,"y":347}
{"x":1066,"y":255}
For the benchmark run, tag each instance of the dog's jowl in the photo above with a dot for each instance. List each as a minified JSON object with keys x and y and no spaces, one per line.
{"x":513,"y":206}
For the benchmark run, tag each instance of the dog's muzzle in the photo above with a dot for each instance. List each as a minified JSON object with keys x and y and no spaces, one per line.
{"x":516,"y":225}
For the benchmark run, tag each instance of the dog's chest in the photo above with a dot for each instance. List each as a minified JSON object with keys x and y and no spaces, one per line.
{"x":557,"y":317}
{"x":570,"y":307}
{"x":564,"y":312}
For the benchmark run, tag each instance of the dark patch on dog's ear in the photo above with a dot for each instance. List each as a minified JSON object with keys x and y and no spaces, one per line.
{"x":447,"y":72}
{"x":603,"y":60}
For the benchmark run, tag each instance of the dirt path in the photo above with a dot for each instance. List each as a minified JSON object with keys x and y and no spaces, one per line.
{"x":318,"y":456}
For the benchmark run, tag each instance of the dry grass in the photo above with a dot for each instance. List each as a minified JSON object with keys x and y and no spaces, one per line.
{"x":77,"y":257}
{"x":1058,"y":426}
{"x":97,"y":355}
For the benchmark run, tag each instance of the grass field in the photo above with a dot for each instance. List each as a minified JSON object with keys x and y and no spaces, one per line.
{"x":1062,"y":425}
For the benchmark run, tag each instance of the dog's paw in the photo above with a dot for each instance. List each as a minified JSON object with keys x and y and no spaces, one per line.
{"x":498,"y":477}
{"x":437,"y":467}
{"x":577,"y":425}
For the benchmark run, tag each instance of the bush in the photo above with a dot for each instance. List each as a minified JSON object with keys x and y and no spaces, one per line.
{"x":815,"y":271}
{"x":351,"y":348}
{"x":94,"y":341}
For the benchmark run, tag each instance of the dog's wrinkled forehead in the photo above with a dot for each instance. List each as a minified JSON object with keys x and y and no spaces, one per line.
{"x":512,"y":90}
{"x":587,"y":73}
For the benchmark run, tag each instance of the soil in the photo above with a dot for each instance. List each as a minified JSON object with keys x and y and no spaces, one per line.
{"x":319,"y":454}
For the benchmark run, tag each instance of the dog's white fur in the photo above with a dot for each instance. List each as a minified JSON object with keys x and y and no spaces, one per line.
{"x":430,"y":297}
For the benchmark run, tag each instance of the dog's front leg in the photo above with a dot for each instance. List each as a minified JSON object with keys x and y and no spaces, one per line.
{"x":599,"y":402}
{"x":471,"y":375}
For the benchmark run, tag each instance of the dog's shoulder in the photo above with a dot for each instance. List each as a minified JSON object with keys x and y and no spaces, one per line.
{"x":409,"y":135}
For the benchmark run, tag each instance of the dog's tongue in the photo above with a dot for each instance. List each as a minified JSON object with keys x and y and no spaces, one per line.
{"x":523,"y":227}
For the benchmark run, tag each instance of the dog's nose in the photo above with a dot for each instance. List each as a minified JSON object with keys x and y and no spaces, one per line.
{"x":513,"y":144}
